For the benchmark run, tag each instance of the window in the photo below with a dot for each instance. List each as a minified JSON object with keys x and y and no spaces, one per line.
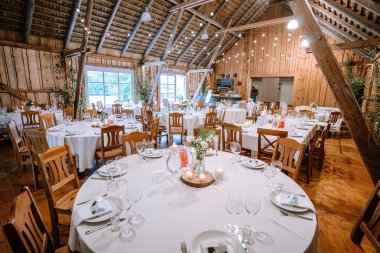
{"x":173,"y":87}
{"x":108,"y":85}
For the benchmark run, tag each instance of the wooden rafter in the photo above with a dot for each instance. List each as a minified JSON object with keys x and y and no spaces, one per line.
{"x":135,"y":29}
{"x":249,"y":12}
{"x":356,"y":44}
{"x":203,"y":30}
{"x":265,"y":23}
{"x":370,"y":6}
{"x":76,"y":51}
{"x":28,"y":19}
{"x":153,"y":42}
{"x":222,"y":49}
{"x":82,"y":59}
{"x":339,"y":20}
{"x":73,"y":20}
{"x":108,"y":25}
{"x":183,"y":30}
{"x":29,"y":46}
{"x":189,"y":4}
{"x":199,"y":70}
{"x":362,"y":21}
{"x":334,"y":76}
{"x":14,"y":92}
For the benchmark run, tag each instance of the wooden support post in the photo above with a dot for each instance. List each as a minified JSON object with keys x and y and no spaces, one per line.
{"x":168,"y":46}
{"x":108,"y":25}
{"x":82,"y":60}
{"x":347,"y":103}
{"x":28,"y":19}
{"x":73,"y":20}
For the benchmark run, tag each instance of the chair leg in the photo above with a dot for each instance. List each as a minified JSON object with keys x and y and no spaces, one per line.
{"x":54,"y":227}
{"x":35,"y":175}
{"x":340,"y":146}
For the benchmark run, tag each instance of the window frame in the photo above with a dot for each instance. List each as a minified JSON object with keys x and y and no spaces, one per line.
{"x":175,"y":85}
{"x":109,"y":69}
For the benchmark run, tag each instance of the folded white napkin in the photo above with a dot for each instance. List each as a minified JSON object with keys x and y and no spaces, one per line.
{"x":86,"y":211}
{"x":254,"y":163}
{"x":289,"y":199}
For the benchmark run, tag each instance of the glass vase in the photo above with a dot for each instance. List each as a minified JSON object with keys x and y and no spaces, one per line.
{"x":199,"y":163}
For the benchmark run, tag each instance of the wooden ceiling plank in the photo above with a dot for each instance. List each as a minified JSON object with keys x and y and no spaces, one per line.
{"x":135,"y":29}
{"x":199,"y":70}
{"x":370,"y":6}
{"x":334,"y":76}
{"x":189,"y":4}
{"x":362,"y":21}
{"x":28,"y":20}
{"x":203,"y":30}
{"x":158,"y":34}
{"x":73,"y":20}
{"x":337,"y":19}
{"x":108,"y":25}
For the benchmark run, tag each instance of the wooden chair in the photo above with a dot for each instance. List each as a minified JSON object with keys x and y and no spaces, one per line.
{"x":111,"y":144}
{"x":219,"y":121}
{"x":156,"y":108}
{"x":149,"y":120}
{"x":30,"y":119}
{"x":287,"y":149}
{"x":61,"y":185}
{"x":25,"y":229}
{"x":334,"y":116}
{"x":266,"y":145}
{"x":91,"y":112}
{"x":318,"y":151}
{"x":176,"y":125}
{"x":131,"y":139}
{"x":216,"y":131}
{"x":19,"y":147}
{"x":231,"y":133}
{"x":116,"y":108}
{"x":277,"y":111}
{"x":128,"y":112}
{"x":253,"y":118}
{"x":69,"y":111}
{"x":292,"y":113}
{"x":47,"y":121}
{"x":368,"y":223}
{"x":143,"y":119}
{"x":307,"y":113}
{"x":212,"y":108}
{"x":290,"y":107}
{"x":37,"y":144}
{"x":210,"y":119}
{"x":153,"y":134}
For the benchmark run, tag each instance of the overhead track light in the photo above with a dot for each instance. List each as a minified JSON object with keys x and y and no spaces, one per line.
{"x":145,"y":17}
{"x":293,"y":24}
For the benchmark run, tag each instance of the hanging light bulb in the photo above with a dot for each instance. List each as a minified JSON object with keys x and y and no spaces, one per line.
{"x":305,"y":43}
{"x":204,"y":35}
{"x":145,"y":17}
{"x":293,"y":24}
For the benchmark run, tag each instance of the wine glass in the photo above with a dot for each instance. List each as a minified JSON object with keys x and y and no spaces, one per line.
{"x":269,"y":171}
{"x":121,"y":166}
{"x":236,"y":149}
{"x":135,"y":194}
{"x":234,"y":205}
{"x":139,"y":148}
{"x":233,"y":147}
{"x":111,"y":168}
{"x":252,"y":206}
{"x":126,"y":203}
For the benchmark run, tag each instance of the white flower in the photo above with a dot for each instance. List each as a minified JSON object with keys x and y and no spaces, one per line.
{"x":190,"y":138}
{"x":204,"y":144}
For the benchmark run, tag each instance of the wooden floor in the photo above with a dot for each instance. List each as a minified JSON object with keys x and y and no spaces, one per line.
{"x":338,"y":192}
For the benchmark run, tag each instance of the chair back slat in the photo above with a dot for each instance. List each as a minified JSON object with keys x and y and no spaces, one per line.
{"x":154,"y":131}
{"x":25,"y":229}
{"x":36,"y":141}
{"x":116,"y":108}
{"x":30,"y":119}
{"x":212,"y":108}
{"x":231,"y":133}
{"x":267,"y":139}
{"x":47,"y":121}
{"x":149,"y":119}
{"x":129,"y":141}
{"x":110,"y":136}
{"x":287,"y":149}
{"x":334,"y":116}
{"x":210,"y":119}
{"x":14,"y":133}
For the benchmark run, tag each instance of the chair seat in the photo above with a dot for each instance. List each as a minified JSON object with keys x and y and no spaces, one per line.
{"x":177,"y":130}
{"x":64,"y":249}
{"x":109,"y":153}
{"x":65,"y":204}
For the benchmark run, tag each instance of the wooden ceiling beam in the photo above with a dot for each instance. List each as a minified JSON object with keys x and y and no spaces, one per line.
{"x":370,"y":6}
{"x":202,"y":49}
{"x":249,"y":12}
{"x":334,"y":76}
{"x":29,"y":46}
{"x":73,"y":20}
{"x":356,"y":44}
{"x":362,"y":21}
{"x":108,"y":25}
{"x":14,"y":92}
{"x":189,"y":4}
{"x":203,"y":30}
{"x":183,"y":30}
{"x":158,"y":34}
{"x":266,"y":23}
{"x":253,"y":18}
{"x":199,"y":70}
{"x":28,"y":20}
{"x":76,"y":51}
{"x":338,"y":20}
{"x":205,"y":58}
{"x":135,"y":29}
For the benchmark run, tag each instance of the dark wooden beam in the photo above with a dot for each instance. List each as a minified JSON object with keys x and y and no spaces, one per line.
{"x":76,"y":51}
{"x":357,"y":18}
{"x":202,"y":49}
{"x":108,"y":25}
{"x":356,"y":44}
{"x":29,"y":46}
{"x":334,"y":76}
{"x":28,"y":19}
{"x":80,"y":87}
{"x":14,"y":92}
{"x":270,"y":22}
{"x":73,"y":20}
{"x":188,"y":4}
{"x":370,"y":5}
{"x":135,"y":29}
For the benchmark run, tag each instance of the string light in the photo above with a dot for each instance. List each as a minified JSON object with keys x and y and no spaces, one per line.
{"x":263,"y":34}
{"x":212,"y":13}
{"x":82,"y":20}
{"x":254,"y":42}
{"x":78,"y":10}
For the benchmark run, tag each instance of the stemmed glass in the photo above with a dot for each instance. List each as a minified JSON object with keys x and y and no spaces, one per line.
{"x":234,"y":205}
{"x":127,"y":203}
{"x":136,"y":195}
{"x":236,"y":149}
{"x":149,"y":145}
{"x":139,"y":148}
{"x":269,"y":171}
{"x":111,"y":168}
{"x":252,"y":206}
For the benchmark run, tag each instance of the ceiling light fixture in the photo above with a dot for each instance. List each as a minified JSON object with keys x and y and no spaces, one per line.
{"x":204,"y":35}
{"x":145,"y":17}
{"x":305,"y":43}
{"x":293,"y":24}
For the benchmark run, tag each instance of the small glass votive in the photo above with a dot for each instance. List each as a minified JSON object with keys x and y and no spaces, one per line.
{"x":202,"y":177}
{"x":219,"y":175}
{"x":115,"y":223}
{"x":189,"y":174}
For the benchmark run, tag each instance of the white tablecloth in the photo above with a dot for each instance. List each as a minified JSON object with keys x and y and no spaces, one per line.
{"x":235,"y":115}
{"x":135,"y":108}
{"x":16,"y":116}
{"x":190,"y":121}
{"x":173,"y":212}
{"x":85,"y":143}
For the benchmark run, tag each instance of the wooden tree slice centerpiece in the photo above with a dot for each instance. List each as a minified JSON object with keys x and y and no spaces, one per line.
{"x":198,"y":181}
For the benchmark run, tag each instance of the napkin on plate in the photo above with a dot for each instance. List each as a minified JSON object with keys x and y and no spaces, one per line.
{"x":89,"y":210}
{"x":215,"y":246}
{"x":254,"y":163}
{"x":289,"y":199}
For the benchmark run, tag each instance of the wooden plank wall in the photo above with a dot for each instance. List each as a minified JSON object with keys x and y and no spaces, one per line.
{"x":276,"y":52}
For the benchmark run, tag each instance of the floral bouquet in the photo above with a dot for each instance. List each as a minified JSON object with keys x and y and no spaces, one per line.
{"x":200,"y":144}
{"x":313,"y":105}
{"x":102,"y":114}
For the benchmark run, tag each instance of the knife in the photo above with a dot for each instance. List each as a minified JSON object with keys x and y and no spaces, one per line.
{"x":297,"y":206}
{"x":101,"y":227}
{"x":295,"y":215}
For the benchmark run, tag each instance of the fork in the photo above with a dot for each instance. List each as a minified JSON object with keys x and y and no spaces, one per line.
{"x":84,"y":202}
{"x":295,"y":215}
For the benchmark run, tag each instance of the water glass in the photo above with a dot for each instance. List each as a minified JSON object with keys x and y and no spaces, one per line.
{"x":234,"y":206}
{"x":115,"y":223}
{"x":139,"y":149}
{"x":111,"y":168}
{"x":236,"y":149}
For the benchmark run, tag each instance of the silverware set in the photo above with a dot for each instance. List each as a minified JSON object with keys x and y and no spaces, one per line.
{"x":295,"y":215}
{"x":101,"y":227}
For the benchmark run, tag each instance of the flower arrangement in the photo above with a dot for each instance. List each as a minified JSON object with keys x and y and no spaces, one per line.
{"x":102,"y":114}
{"x":29,"y":104}
{"x":313,"y":105}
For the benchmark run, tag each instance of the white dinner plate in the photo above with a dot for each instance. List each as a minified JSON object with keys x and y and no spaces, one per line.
{"x":115,"y":204}
{"x":104,"y":173}
{"x":275,"y":197}
{"x":154,"y":153}
{"x":254,"y":164}
{"x":231,"y":241}
{"x":53,"y":129}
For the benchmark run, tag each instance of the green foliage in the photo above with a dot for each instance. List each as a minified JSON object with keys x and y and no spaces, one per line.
{"x":356,"y":81}
{"x":143,"y":86}
{"x":65,"y":95}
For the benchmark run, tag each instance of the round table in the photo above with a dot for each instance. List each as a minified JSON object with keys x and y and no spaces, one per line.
{"x":85,"y":140}
{"x":172,"y":212}
{"x":235,"y":115}
{"x":16,"y":116}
